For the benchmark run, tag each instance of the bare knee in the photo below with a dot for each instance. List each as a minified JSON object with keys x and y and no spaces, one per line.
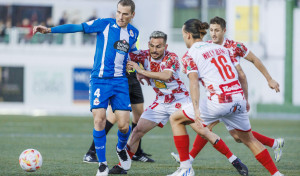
{"x":124,"y":129}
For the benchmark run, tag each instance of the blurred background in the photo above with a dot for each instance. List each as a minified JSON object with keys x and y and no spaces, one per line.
{"x":49,"y":74}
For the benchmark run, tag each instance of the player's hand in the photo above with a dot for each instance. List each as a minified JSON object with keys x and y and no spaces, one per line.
{"x":247,"y":106}
{"x":134,"y":65}
{"x":141,"y":77}
{"x":198,"y":119}
{"x":274,"y":85}
{"x":41,"y":29}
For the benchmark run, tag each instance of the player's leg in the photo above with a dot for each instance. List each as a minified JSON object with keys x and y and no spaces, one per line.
{"x":137,"y":110}
{"x":275,"y":144}
{"x":99,"y":97}
{"x":181,"y":140}
{"x":258,"y":150}
{"x":209,"y":112}
{"x":90,"y":156}
{"x":239,"y":121}
{"x":121,"y":106}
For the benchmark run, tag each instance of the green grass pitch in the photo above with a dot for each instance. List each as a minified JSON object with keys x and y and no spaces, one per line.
{"x":63,"y":141}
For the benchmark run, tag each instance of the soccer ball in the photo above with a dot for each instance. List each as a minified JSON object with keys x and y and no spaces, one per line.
{"x":30,"y":160}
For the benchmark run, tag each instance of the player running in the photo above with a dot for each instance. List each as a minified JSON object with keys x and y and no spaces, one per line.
{"x":238,"y":50}
{"x":162,"y":67}
{"x":115,"y":39}
{"x":212,"y":65}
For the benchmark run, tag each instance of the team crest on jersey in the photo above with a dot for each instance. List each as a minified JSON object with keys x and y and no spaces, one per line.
{"x":96,"y":102}
{"x":122,"y":46}
{"x":90,"y":22}
{"x":178,"y":105}
{"x":160,"y":84}
{"x":131,"y":33}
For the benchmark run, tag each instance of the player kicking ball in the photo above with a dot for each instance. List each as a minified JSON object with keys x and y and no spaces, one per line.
{"x":162,"y":67}
{"x":212,"y":65}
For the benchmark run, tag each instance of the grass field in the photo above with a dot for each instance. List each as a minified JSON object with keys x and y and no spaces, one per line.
{"x":63,"y":141}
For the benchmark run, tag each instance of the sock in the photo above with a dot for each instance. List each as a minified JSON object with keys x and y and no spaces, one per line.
{"x":265,"y":159}
{"x":182,"y":145}
{"x":263,"y":139}
{"x":198,"y":145}
{"x":108,"y":126}
{"x":222,"y":148}
{"x":129,"y":152}
{"x":185,"y":164}
{"x":92,"y":148}
{"x":139,"y":149}
{"x":232,"y":158}
{"x":100,"y":142}
{"x":122,"y":139}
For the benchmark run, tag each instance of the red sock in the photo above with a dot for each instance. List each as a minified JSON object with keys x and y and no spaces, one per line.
{"x":129,"y":152}
{"x":265,"y":159}
{"x":198,"y":145}
{"x":182,"y":145}
{"x":222,"y":148}
{"x":263,"y":139}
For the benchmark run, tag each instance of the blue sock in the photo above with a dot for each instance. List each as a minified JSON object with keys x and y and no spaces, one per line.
{"x":123,"y":138}
{"x":100,"y":143}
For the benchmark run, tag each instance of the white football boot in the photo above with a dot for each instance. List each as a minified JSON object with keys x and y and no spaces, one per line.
{"x":278,"y":149}
{"x":183,"y":172}
{"x":124,"y":159}
{"x":102,"y":170}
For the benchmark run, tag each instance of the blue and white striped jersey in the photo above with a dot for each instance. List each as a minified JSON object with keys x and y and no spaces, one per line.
{"x":112,"y":48}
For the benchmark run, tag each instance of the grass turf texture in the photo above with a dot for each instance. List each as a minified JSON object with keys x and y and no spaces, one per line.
{"x":63,"y":141}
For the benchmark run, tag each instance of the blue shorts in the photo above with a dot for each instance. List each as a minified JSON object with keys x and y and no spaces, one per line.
{"x":114,"y":91}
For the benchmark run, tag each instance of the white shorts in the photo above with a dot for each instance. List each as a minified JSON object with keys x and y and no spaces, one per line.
{"x":161,"y":112}
{"x":234,"y":115}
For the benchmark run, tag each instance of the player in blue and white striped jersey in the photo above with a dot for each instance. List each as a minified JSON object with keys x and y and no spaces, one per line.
{"x":115,"y":38}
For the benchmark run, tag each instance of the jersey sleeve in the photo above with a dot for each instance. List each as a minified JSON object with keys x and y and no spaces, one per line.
{"x":189,"y":65}
{"x":241,"y":50}
{"x":93,"y":26}
{"x":138,"y":56}
{"x":234,"y":60}
{"x":172,"y":63}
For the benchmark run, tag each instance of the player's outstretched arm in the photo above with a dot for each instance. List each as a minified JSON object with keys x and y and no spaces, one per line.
{"x":66,"y":28}
{"x":260,"y":66}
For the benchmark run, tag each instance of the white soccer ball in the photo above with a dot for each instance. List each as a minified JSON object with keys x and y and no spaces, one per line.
{"x":30,"y":160}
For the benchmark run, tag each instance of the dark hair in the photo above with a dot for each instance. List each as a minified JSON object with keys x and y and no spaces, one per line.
{"x":218,"y":20}
{"x":127,"y":3}
{"x":196,"y":28}
{"x":159,"y":34}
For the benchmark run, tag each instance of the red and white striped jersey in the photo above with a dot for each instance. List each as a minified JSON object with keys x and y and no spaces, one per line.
{"x":237,"y":49}
{"x":216,"y":71}
{"x":166,"y":91}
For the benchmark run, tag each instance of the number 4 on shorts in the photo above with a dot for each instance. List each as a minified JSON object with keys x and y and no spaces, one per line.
{"x":97,"y":93}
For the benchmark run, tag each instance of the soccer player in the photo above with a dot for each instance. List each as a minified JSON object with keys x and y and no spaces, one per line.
{"x":162,"y":67}
{"x":238,"y":50}
{"x":137,"y":106}
{"x":212,"y":65}
{"x":115,"y":39}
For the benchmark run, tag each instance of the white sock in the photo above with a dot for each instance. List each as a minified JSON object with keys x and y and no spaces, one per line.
{"x":275,"y":144}
{"x":105,"y":162}
{"x":232,"y":158}
{"x":276,"y":173}
{"x":191,"y":159}
{"x":185,"y":164}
